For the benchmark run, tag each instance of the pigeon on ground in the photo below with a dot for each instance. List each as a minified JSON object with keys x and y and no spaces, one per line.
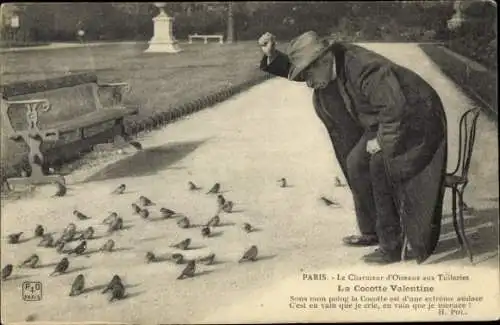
{"x":80,"y":215}
{"x":136,"y":208}
{"x":328,"y":202}
{"x":14,"y":238}
{"x":120,"y":189}
{"x":248,"y":227}
{"x":144,"y":201}
{"x":228,"y":207}
{"x":177,"y":258}
{"x":214,"y":189}
{"x":150,"y":257}
{"x":193,"y":187}
{"x":61,"y":190}
{"x":77,"y":286}
{"x":220,"y":200}
{"x":7,"y":271}
{"x":207,"y":260}
{"x":116,"y":279}
{"x":115,"y":225}
{"x":205,"y":232}
{"x":117,"y":291}
{"x":88,"y":233}
{"x":214,"y":221}
{"x":80,"y":249}
{"x":166,"y":213}
{"x":282,"y":182}
{"x":183,"y":244}
{"x":39,"y":231}
{"x":183,"y":223}
{"x":188,"y":271}
{"x":47,"y":241}
{"x":108,"y":246}
{"x":31,"y":261}
{"x":61,"y":267}
{"x":60,"y":247}
{"x":144,"y":213}
{"x":109,"y":219}
{"x":249,"y":255}
{"x":338,"y":182}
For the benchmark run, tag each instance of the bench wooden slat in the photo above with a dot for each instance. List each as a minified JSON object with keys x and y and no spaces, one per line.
{"x":94,"y":118}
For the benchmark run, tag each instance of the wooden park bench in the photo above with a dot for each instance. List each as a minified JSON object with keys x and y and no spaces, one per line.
{"x":60,"y":117}
{"x":205,"y":38}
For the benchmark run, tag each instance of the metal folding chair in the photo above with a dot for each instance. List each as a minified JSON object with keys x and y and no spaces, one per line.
{"x":458,"y":179}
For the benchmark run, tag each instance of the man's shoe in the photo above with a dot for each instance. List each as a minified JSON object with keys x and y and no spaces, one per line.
{"x":360,"y":240}
{"x":382,"y":257}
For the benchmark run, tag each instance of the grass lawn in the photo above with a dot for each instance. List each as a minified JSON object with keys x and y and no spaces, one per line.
{"x":158,"y":81}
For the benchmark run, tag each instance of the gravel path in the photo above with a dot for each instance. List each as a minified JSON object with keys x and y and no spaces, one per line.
{"x":246,"y":143}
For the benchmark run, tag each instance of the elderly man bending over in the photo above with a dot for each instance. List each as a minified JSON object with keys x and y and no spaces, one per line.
{"x":388,"y":130}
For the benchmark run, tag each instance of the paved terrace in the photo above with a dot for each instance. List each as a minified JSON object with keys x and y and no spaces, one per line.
{"x":246,"y":144}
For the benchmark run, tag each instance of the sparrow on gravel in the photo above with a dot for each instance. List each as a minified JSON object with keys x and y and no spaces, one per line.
{"x":150,"y":257}
{"x":193,"y":187}
{"x":248,"y":227}
{"x":80,"y":249}
{"x":115,"y":225}
{"x":80,"y":215}
{"x":77,"y":286}
{"x":14,"y":238}
{"x":188,"y":271}
{"x":205,"y":232}
{"x":116,"y":279}
{"x":61,"y":267}
{"x":120,"y":189}
{"x":7,"y":271}
{"x":109,"y":219}
{"x":166,"y":213}
{"x":328,"y":202}
{"x":47,"y":241}
{"x":207,"y":260}
{"x":144,"y":201}
{"x":117,"y":292}
{"x":108,"y":246}
{"x":61,"y":190}
{"x":282,"y":182}
{"x":250,"y":255}
{"x":88,"y":233}
{"x":183,"y":244}
{"x":31,"y":261}
{"x":220,"y":200}
{"x":338,"y":182}
{"x":214,"y":221}
{"x":183,"y":223}
{"x":177,"y":258}
{"x":136,"y":208}
{"x":228,"y":207}
{"x":214,"y":189}
{"x":60,"y":247}
{"x":144,"y":213}
{"x":39,"y":231}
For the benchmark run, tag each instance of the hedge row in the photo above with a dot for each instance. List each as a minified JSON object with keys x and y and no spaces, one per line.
{"x":477,"y":81}
{"x":156,"y":121}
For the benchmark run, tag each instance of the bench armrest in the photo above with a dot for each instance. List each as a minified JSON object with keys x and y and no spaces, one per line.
{"x":32,"y":106}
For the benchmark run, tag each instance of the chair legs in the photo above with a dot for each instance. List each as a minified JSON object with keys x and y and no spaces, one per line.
{"x":454,"y":213}
{"x":461,"y":227}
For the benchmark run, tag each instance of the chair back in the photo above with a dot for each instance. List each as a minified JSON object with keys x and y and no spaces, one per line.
{"x":467,"y":137}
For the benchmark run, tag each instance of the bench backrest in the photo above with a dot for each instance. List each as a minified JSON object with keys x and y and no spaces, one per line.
{"x":69,"y":96}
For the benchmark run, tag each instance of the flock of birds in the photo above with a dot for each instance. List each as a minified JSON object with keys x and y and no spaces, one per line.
{"x":114,"y":222}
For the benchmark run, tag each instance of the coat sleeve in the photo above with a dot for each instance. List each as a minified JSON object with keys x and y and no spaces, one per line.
{"x":279,"y":66}
{"x":384,"y":93}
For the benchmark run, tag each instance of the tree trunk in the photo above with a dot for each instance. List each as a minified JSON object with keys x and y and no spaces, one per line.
{"x":230,"y":23}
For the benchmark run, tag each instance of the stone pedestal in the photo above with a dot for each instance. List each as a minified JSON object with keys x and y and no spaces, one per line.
{"x":163,"y":40}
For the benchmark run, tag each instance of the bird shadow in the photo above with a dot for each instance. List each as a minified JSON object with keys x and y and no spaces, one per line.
{"x":236,"y":211}
{"x":146,"y":162}
{"x":163,"y":258}
{"x":77,"y":269}
{"x":226,"y":224}
{"x":133,"y":294}
{"x":217,"y":262}
{"x":155,"y":219}
{"x":127,"y":227}
{"x":266,"y":257}
{"x":195,"y":247}
{"x":22,"y":241}
{"x":18,"y":277}
{"x":255,"y":230}
{"x":41,"y":266}
{"x":150,"y":238}
{"x":96,"y":237}
{"x":216,"y":234}
{"x":98,"y":287}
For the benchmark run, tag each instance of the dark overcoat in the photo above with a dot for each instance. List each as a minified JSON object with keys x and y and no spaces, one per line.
{"x":374,"y":95}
